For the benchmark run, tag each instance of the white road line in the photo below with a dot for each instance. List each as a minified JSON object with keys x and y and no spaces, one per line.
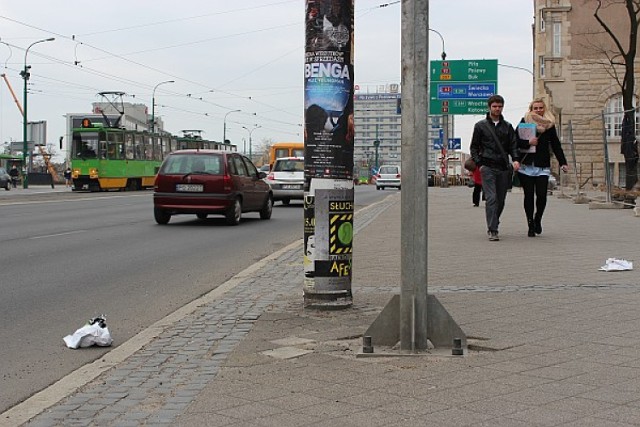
{"x":56,"y":235}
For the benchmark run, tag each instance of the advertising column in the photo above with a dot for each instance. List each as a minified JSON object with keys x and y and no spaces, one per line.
{"x":328,"y":155}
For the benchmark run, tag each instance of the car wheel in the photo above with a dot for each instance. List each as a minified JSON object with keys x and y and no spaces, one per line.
{"x":161,"y":216}
{"x":202,"y":216}
{"x":286,"y":202}
{"x":7,"y":186}
{"x":265,"y":212}
{"x":399,"y":188}
{"x":377,"y":188}
{"x":234,"y":213}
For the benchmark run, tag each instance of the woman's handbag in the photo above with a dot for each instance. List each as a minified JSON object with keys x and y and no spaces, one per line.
{"x":470,"y":165}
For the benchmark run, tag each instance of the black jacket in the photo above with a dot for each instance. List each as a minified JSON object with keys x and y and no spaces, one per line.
{"x":484,"y":150}
{"x":547,"y":141}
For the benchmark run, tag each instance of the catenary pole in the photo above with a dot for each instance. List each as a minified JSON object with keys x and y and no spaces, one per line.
{"x":415,"y":63}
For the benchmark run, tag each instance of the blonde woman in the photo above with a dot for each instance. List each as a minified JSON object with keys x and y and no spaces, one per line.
{"x":535,"y":160}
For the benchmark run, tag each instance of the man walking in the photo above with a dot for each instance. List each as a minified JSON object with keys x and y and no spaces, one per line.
{"x":493,"y":141}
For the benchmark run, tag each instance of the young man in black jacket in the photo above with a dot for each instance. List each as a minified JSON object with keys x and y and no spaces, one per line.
{"x":493,"y":160}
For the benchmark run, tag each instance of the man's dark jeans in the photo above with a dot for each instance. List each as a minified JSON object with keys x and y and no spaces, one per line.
{"x":495,"y":183}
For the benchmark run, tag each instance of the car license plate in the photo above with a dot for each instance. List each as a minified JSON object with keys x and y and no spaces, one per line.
{"x":192,"y":188}
{"x":291,"y":187}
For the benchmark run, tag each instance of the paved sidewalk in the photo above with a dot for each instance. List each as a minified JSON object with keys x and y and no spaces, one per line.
{"x":553,"y":340}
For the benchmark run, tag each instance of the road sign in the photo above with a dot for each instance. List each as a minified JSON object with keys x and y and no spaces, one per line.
{"x":462,"y":86}
{"x":19,"y":145}
{"x":455,"y":144}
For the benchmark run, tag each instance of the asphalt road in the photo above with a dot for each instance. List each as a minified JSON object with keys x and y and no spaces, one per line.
{"x":67,"y":257}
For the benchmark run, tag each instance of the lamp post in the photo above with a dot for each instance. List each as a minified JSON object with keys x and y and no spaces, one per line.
{"x":153,"y":105}
{"x":443,"y":55}
{"x":250,"y":132}
{"x":25,"y":147}
{"x":224,"y":125}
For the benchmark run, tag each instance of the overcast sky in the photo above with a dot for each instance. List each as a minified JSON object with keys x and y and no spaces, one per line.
{"x":225,"y":56}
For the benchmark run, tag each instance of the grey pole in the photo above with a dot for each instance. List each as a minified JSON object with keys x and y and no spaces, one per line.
{"x":224,"y":126}
{"x":415,"y":110}
{"x":153,"y":105}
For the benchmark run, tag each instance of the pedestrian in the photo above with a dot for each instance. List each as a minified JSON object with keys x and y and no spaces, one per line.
{"x":535,"y":154}
{"x":493,"y":141}
{"x":14,"y":174}
{"x":477,"y":187}
{"x":67,"y":177}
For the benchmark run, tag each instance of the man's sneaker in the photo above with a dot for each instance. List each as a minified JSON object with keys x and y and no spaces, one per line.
{"x":493,"y":236}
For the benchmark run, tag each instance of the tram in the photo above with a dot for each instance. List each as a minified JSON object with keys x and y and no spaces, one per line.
{"x":108,"y":158}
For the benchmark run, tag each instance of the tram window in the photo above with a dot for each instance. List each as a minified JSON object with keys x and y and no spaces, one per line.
{"x":114,"y":146}
{"x":128,"y":146}
{"x":138,"y":147}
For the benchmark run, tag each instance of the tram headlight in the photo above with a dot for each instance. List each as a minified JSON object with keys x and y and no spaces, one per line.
{"x":93,"y":173}
{"x":75,"y":173}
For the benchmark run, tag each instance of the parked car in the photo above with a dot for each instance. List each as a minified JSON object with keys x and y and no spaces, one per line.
{"x":388,"y":176}
{"x":5,"y":179}
{"x":264,"y":168}
{"x":286,"y":179}
{"x":204,"y":182}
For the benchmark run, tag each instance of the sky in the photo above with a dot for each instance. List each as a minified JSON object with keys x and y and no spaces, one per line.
{"x":225,"y":56}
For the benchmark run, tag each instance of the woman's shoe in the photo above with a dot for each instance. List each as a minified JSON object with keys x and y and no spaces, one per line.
{"x":538,"y":225}
{"x":532,"y":231}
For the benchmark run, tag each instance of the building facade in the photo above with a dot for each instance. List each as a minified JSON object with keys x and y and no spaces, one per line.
{"x":378,"y":138}
{"x":575,"y":78}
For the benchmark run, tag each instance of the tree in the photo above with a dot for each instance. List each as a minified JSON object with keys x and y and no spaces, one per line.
{"x":621,"y":58}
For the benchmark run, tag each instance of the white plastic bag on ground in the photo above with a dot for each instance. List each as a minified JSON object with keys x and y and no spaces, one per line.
{"x":615,"y":264}
{"x":93,"y":333}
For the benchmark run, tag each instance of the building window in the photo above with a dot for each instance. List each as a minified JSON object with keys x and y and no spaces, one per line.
{"x":557,"y":38}
{"x":613,"y":116}
{"x":541,"y":20}
{"x":541,"y":66}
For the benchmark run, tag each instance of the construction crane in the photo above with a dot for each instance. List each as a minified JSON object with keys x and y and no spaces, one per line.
{"x":46,"y":156}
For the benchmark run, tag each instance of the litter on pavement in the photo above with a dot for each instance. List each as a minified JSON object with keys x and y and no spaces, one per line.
{"x":615,"y":264}
{"x":95,"y":332}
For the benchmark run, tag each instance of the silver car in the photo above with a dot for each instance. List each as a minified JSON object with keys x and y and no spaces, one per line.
{"x":388,"y":176}
{"x":286,"y":179}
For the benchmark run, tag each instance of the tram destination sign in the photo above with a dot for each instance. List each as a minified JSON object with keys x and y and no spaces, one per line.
{"x":462,"y":86}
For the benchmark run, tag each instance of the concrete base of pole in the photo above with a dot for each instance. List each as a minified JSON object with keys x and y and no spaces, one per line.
{"x":581,"y":199}
{"x":441,"y":328}
{"x":605,"y":205}
{"x":328,"y":301}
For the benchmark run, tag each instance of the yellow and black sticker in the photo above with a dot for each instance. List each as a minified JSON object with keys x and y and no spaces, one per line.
{"x":340,"y":233}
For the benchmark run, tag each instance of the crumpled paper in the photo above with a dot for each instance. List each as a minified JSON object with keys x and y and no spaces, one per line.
{"x":615,"y":264}
{"x":93,"y":333}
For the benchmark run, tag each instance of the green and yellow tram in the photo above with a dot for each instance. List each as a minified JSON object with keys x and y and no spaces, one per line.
{"x":104,"y":158}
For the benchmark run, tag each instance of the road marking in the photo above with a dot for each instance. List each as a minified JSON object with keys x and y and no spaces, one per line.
{"x":56,"y":235}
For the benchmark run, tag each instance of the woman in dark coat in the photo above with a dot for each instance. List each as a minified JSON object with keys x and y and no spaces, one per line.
{"x":535,"y":161}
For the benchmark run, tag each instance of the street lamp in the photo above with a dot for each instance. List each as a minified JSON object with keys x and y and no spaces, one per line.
{"x":25,"y":147}
{"x":224,"y":125}
{"x":250,"y":132}
{"x":153,"y":105}
{"x":443,"y":55}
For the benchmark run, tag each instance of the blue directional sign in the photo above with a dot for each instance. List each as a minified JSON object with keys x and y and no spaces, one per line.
{"x":466,"y":90}
{"x":455,"y":144}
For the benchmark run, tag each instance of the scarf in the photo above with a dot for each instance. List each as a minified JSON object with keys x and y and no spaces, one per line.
{"x":542,"y":123}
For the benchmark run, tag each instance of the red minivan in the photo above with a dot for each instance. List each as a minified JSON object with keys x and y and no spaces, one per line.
{"x":203,"y":182}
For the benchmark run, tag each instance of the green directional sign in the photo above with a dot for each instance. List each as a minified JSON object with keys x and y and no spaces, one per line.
{"x":462,"y":86}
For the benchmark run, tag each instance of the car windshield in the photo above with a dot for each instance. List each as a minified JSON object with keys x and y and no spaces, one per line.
{"x":193,"y":163}
{"x":289,"y":166}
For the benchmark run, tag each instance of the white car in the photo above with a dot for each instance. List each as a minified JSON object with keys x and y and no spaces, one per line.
{"x":388,"y":176}
{"x":286,"y":179}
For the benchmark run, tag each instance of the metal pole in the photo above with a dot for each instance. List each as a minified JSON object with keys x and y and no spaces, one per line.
{"x":224,"y":126}
{"x":415,"y":110}
{"x":153,"y":105}
{"x":25,"y":145}
{"x":607,"y":174}
{"x":250,"y":132}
